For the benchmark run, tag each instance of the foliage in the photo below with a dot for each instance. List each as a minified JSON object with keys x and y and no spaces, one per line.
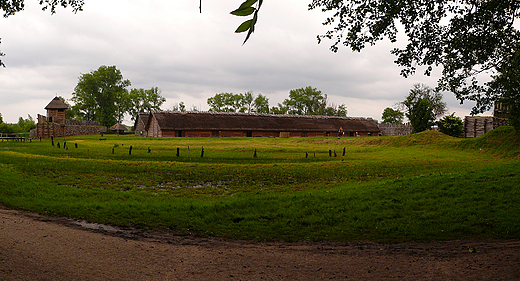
{"x":465,"y":37}
{"x":72,"y":111}
{"x":141,"y":100}
{"x":26,"y":125}
{"x":451,"y":125}
{"x":9,"y":128}
{"x":23,"y":126}
{"x":246,"y":9}
{"x":417,"y":187}
{"x":179,"y":107}
{"x":392,"y":116}
{"x":308,"y":101}
{"x":421,"y":115}
{"x":12,"y":7}
{"x":422,"y":106}
{"x":505,"y":88}
{"x":261,"y":104}
{"x":1,"y":119}
{"x":100,"y":95}
{"x":229,"y":102}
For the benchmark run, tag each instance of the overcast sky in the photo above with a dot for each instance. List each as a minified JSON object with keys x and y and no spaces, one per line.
{"x":192,"y":56}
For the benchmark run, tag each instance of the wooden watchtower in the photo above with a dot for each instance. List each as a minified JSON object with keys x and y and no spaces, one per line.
{"x":53,"y":125}
{"x":56,"y":111}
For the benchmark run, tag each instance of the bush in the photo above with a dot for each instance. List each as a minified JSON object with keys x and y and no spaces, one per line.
{"x":451,"y":125}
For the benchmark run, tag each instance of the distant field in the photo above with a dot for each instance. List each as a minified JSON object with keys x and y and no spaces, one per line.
{"x":426,"y":186}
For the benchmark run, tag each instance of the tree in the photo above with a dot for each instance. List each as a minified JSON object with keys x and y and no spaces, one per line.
{"x":422,"y":106}
{"x":451,"y":125}
{"x":421,"y":116}
{"x":335,"y":110}
{"x":179,"y":107}
{"x":505,"y":88}
{"x":465,"y":37}
{"x":1,"y":120}
{"x":279,"y":109}
{"x":26,"y":125}
{"x":223,"y":102}
{"x":392,"y":116}
{"x":100,"y":94}
{"x":261,"y":104}
{"x":72,"y":112}
{"x":229,"y":102}
{"x":23,"y":125}
{"x":141,"y":100}
{"x":9,"y":128}
{"x":12,"y":7}
{"x":308,"y":101}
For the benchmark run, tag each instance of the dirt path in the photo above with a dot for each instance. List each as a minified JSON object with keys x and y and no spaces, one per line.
{"x":34,"y":247}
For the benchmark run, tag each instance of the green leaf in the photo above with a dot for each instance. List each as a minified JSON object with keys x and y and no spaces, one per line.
{"x":246,"y":4}
{"x":244,"y":26}
{"x":243,"y":12}
{"x":252,"y":28}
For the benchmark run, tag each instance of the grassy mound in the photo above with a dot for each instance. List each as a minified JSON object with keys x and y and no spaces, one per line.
{"x":503,"y":141}
{"x":418,"y":187}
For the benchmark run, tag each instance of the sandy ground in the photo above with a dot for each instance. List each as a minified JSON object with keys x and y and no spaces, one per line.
{"x":35,"y":247}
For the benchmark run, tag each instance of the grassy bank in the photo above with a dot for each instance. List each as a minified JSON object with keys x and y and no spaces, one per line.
{"x":419,"y":187}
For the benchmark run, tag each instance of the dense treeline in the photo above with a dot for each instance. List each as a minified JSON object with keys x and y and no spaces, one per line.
{"x":303,"y":101}
{"x":23,"y":125}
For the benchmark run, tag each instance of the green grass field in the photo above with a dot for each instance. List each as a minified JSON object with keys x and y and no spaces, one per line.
{"x":426,"y":186}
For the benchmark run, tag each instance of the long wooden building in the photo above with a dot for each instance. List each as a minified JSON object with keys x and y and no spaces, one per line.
{"x":220,"y":124}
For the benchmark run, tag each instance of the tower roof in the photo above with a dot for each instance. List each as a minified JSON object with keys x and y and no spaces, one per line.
{"x":56,"y":103}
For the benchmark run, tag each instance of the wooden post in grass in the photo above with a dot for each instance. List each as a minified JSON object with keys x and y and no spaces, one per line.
{"x":254,"y":155}
{"x":149,"y":150}
{"x":130,"y":151}
{"x":52,"y":140}
{"x":58,"y":145}
{"x":335,"y":155}
{"x":112,"y":150}
{"x":76,"y":145}
{"x":330,"y":153}
{"x":178,"y":152}
{"x":343,"y":151}
{"x":306,"y":155}
{"x":65,"y":144}
{"x":202,"y":152}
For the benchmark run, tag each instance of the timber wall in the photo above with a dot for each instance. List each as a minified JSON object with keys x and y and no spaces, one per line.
{"x":84,"y":130}
{"x":70,"y":122}
{"x":395,"y":129}
{"x":48,"y":129}
{"x":476,"y":126}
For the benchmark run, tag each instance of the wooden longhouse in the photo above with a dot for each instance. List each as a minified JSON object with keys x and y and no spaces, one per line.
{"x":220,"y":124}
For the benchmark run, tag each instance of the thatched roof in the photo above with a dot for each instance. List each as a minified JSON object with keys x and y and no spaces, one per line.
{"x":118,"y":127}
{"x":142,"y":118}
{"x":56,"y":103}
{"x":219,"y":121}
